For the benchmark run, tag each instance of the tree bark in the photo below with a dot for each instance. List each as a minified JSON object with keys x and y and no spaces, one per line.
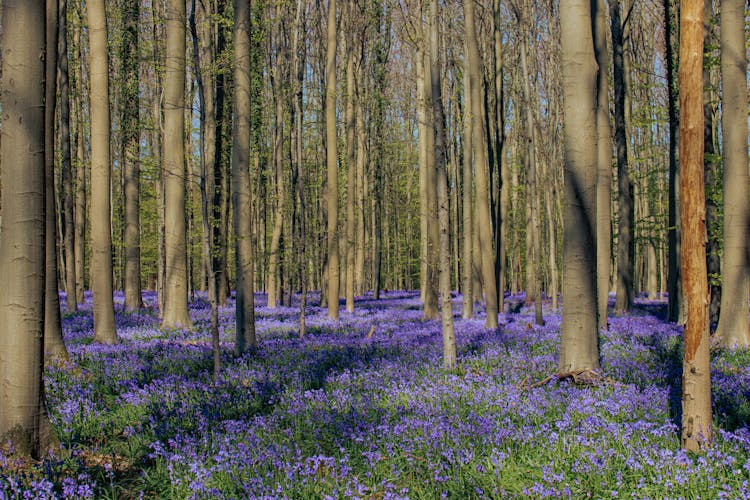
{"x":175,"y":314}
{"x":68,"y":231}
{"x":468,"y":239}
{"x":604,"y":164}
{"x":22,"y":246}
{"x":431,"y":257}
{"x":332,"y":189}
{"x":580,"y":341}
{"x":625,"y":240}
{"x":733,"y":330}
{"x":130,"y":130}
{"x":101,"y":171}
{"x":54,"y":347}
{"x":481,"y":170}
{"x":241,"y":187}
{"x":441,"y":177}
{"x":351,"y":152}
{"x":696,"y":376}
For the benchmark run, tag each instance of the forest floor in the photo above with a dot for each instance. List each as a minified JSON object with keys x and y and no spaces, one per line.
{"x":352,"y":411}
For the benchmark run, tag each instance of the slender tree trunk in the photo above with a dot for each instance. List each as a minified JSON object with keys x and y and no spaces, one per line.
{"x":424,"y":214}
{"x":431,"y":284}
{"x":441,"y":177}
{"x":175,"y":312}
{"x":468,"y":240}
{"x":675,"y":310}
{"x":80,"y":187}
{"x":22,"y":246}
{"x":68,"y":231}
{"x":696,"y":374}
{"x":54,"y":347}
{"x":733,"y":330}
{"x":625,"y":239}
{"x":274,"y":271}
{"x":351,"y":151}
{"x":241,"y":194}
{"x":101,"y":238}
{"x":332,"y":189}
{"x":580,"y":341}
{"x":604,"y":164}
{"x":130,"y":130}
{"x":359,"y":264}
{"x":500,"y":207}
{"x":481,"y":170}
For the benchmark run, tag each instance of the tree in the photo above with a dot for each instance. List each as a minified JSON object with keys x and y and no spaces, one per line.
{"x":579,"y":351}
{"x":733,"y":327}
{"x":68,"y":233}
{"x":351,"y":157}
{"x":441,"y":178}
{"x":175,"y":313}
{"x":130,"y":144}
{"x":241,"y":195}
{"x":604,"y":164}
{"x":467,"y":310}
{"x":54,"y":347}
{"x":101,"y":172}
{"x":481,"y":167}
{"x":22,"y":246}
{"x":696,"y":373}
{"x":332,"y":189}
{"x":625,"y":240}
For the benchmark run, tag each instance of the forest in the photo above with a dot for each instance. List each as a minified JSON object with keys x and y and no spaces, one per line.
{"x":374,"y":249}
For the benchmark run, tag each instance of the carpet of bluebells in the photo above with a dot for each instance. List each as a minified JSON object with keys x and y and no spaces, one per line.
{"x":353,"y":411}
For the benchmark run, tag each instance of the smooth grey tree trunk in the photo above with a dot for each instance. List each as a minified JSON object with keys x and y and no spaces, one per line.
{"x":175,"y":313}
{"x":22,"y":246}
{"x":332,"y":188}
{"x":101,"y":173}
{"x":579,"y":350}
{"x":604,"y":164}
{"x":130,"y":143}
{"x":481,"y":167}
{"x":241,"y":186}
{"x":733,"y":330}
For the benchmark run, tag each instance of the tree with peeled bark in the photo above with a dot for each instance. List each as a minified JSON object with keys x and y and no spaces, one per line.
{"x":481,"y":167}
{"x":696,"y":372}
{"x":579,"y":351}
{"x":332,"y":189}
{"x":733,"y":329}
{"x":175,"y":313}
{"x":23,"y":420}
{"x":101,"y":173}
{"x":242,"y":195}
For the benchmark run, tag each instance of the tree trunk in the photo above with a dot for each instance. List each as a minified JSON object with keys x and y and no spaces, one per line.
{"x":68,"y":231}
{"x":101,"y":238}
{"x":580,"y":342}
{"x":733,"y":330}
{"x":54,"y":347}
{"x":130,"y":130}
{"x":500,"y":207}
{"x":625,"y":240}
{"x":604,"y":165}
{"x":468,"y":240}
{"x":696,"y":374}
{"x":175,"y":314}
{"x":351,"y":151}
{"x":431,"y":258}
{"x":241,"y":187}
{"x":481,"y":169}
{"x":675,"y":309}
{"x":22,"y":246}
{"x":332,"y":189}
